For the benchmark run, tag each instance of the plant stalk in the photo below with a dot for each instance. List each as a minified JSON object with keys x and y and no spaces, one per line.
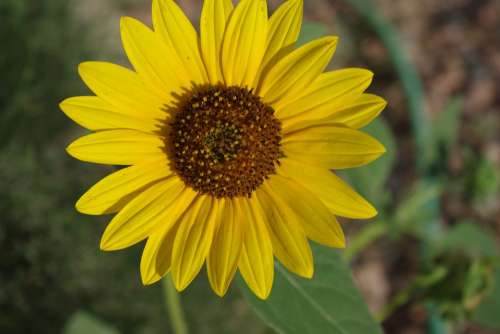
{"x":173,"y":306}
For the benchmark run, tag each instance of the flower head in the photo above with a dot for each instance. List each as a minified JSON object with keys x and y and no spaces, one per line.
{"x":230,"y":136}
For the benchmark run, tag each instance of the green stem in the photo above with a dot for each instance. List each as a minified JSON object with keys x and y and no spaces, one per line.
{"x":173,"y":306}
{"x":399,"y":300}
{"x":364,"y":238}
{"x":422,"y":282}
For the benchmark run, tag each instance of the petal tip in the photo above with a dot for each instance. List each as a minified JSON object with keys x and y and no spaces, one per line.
{"x":341,"y":244}
{"x":179,"y":280}
{"x":333,"y":40}
{"x":309,"y":274}
{"x":371,"y":212}
{"x":105,"y":245}
{"x":383,"y":103}
{"x":262,"y":295}
{"x":126,"y":23}
{"x":84,"y":206}
{"x":70,"y":149}
{"x":148,"y":279}
{"x":220,"y":292}
{"x":369,"y":74}
{"x":180,"y":284}
{"x":84,"y":66}
{"x":80,"y":205}
{"x":307,"y":271}
{"x":63,"y":104}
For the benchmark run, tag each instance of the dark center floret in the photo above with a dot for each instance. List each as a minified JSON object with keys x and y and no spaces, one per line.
{"x":225,"y":141}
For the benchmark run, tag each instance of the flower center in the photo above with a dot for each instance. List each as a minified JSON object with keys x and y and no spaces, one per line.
{"x":225,"y":141}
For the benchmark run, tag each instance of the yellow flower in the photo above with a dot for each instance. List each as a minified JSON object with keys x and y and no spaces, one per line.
{"x":230,"y":137}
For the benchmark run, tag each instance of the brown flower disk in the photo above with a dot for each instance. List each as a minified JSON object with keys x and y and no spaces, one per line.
{"x":225,"y":141}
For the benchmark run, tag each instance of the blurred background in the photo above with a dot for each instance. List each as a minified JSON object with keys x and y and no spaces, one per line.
{"x":428,"y":263}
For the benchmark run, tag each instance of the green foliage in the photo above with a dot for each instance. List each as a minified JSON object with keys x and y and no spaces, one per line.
{"x":85,"y":323}
{"x":458,"y":278}
{"x":460,"y":264}
{"x":329,"y":303}
{"x":463,"y":287}
{"x":487,"y":313}
{"x":486,"y":180}
{"x":467,"y":253}
{"x":471,"y":239}
{"x":445,"y":128}
{"x":416,"y":213}
{"x":478,"y":182}
{"x":42,"y":44}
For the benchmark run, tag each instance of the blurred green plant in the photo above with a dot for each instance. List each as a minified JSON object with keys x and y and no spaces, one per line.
{"x":468,"y":255}
{"x":39,"y":56}
{"x":487,"y":312}
{"x":451,"y":284}
{"x":84,"y":323}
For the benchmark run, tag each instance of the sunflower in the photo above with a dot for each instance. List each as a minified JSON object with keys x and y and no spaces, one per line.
{"x":230,"y":137}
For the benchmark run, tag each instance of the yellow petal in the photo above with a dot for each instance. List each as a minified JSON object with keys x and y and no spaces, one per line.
{"x":295,"y":72}
{"x":326,"y":94}
{"x":284,"y":29}
{"x":256,"y":263}
{"x":151,"y":58}
{"x":222,"y":261}
{"x":331,"y":146}
{"x":287,"y":235}
{"x":137,"y":220}
{"x":157,"y":255}
{"x":193,"y":240}
{"x":244,"y":43}
{"x":121,"y":88}
{"x":337,"y":195}
{"x":112,"y":193}
{"x":214,"y":17}
{"x":148,"y":258}
{"x":318,"y":222}
{"x":359,"y":112}
{"x":93,"y":113}
{"x":150,"y":255}
{"x":180,"y":37}
{"x":117,"y":147}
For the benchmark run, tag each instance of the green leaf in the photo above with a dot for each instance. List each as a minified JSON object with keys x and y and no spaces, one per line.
{"x":328,"y":303}
{"x":84,"y":323}
{"x":487,"y":313}
{"x":370,"y":180}
{"x":310,"y":31}
{"x":445,"y":126}
{"x":486,"y":180}
{"x":470,"y":238}
{"x":417,"y":210}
